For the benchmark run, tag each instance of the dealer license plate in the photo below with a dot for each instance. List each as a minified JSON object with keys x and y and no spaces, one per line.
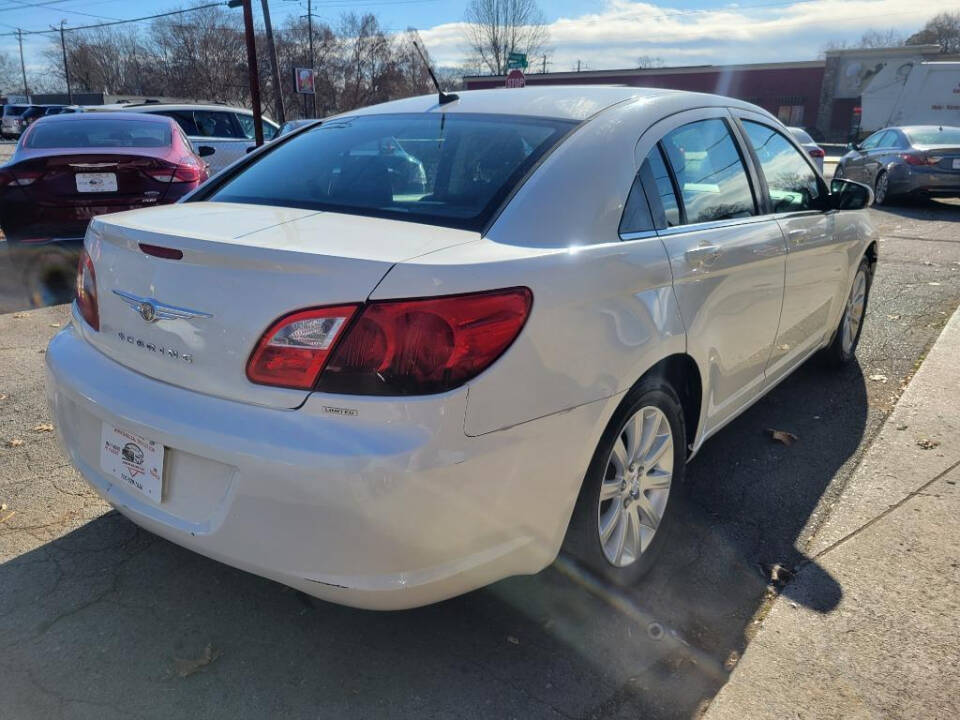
{"x":136,"y":461}
{"x":96,"y":182}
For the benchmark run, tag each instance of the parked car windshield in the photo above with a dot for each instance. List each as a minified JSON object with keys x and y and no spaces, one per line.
{"x":441,"y":169}
{"x":14,"y":110}
{"x":98,"y":133}
{"x":933,"y":135}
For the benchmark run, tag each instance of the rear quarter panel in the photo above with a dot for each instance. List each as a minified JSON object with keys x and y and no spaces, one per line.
{"x":604,"y":310}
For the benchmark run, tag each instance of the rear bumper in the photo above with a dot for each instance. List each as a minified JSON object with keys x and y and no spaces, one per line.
{"x":392,"y":507}
{"x":923,"y":181}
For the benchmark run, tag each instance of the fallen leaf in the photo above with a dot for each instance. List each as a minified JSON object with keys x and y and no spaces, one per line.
{"x":19,"y":316}
{"x":787,"y":438}
{"x":512,"y":639}
{"x":927,"y":444}
{"x":42,"y":350}
{"x":3,"y":506}
{"x":879,"y":378}
{"x":54,"y":324}
{"x":189,"y":667}
{"x":2,"y":396}
{"x":893,"y":317}
{"x":902,"y":427}
{"x":935,"y":284}
{"x":731,"y":662}
{"x":14,"y":442}
{"x":43,"y":427}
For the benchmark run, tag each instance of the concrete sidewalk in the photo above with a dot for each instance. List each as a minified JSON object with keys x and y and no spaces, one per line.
{"x":890,"y":647}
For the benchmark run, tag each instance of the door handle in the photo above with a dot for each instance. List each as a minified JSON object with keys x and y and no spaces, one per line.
{"x":796,"y":235}
{"x":703,"y":255}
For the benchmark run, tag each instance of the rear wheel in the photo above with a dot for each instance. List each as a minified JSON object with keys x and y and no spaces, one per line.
{"x":844,"y":346}
{"x":625,"y":509}
{"x":50,"y":277}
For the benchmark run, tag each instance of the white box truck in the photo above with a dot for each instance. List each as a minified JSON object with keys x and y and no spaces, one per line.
{"x":912,"y":93}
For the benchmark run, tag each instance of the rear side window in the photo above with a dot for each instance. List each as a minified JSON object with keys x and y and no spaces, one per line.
{"x":710,"y":172}
{"x":791,"y":183}
{"x":433,"y":168}
{"x":247,"y":126}
{"x":184,"y":119}
{"x":217,"y":124}
{"x":636,"y":213}
{"x":82,"y":133}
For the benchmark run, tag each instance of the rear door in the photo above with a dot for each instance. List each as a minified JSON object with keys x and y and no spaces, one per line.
{"x":727,"y":259}
{"x":816,"y":264}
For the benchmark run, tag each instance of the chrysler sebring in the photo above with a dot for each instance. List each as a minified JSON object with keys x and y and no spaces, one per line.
{"x":386,"y":393}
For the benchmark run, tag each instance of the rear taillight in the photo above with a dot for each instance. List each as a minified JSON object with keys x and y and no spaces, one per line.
{"x":22,"y":177}
{"x":293,"y":351}
{"x":418,"y":347}
{"x":919,"y":158}
{"x":87,"y":291}
{"x":817,"y":153}
{"x":186,"y":171}
{"x":393,"y":347}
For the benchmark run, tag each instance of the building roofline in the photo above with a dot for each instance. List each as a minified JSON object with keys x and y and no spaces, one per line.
{"x":676,"y":70}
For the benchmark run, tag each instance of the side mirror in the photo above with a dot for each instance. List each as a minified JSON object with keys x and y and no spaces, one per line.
{"x":849,"y":195}
{"x":853,"y":145}
{"x":205,"y":151}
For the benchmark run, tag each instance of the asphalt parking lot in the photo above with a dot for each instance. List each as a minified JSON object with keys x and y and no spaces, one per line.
{"x":103,"y":620}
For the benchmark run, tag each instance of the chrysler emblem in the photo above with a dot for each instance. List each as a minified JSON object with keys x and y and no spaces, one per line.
{"x":148,"y":311}
{"x":152,"y":310}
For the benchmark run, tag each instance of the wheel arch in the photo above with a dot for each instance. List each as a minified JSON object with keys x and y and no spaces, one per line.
{"x":682,"y":373}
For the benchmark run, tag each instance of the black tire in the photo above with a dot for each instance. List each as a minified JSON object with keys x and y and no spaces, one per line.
{"x":840,"y":353}
{"x":582,"y":540}
{"x":881,"y":189}
{"x":49,"y":276}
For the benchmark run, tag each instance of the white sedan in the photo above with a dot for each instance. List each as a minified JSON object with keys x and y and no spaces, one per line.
{"x":385,"y":395}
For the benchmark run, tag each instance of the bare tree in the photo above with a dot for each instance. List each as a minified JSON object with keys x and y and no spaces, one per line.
{"x":496,"y":28}
{"x":650,"y":61}
{"x":870,"y":39}
{"x":942,"y":29}
{"x":10,"y":80}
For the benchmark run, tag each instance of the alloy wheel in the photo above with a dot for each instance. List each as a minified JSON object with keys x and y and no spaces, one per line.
{"x":853,"y":316}
{"x":880,"y":193}
{"x":636,"y":486}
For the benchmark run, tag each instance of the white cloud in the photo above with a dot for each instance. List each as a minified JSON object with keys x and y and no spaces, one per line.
{"x":625,"y":30}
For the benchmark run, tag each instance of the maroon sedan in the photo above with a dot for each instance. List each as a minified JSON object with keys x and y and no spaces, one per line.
{"x":68,"y":168}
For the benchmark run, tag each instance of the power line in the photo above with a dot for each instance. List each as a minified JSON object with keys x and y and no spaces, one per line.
{"x":26,"y":5}
{"x":129,"y":20}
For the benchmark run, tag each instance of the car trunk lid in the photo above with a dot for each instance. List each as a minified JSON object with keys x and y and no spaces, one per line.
{"x":242,"y":267}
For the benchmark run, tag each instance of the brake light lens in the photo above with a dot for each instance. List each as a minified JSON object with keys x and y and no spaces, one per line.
{"x":420,"y":347}
{"x":817,"y":153}
{"x":22,"y":177}
{"x":186,"y":171}
{"x":87,"y":291}
{"x":293,"y":351}
{"x":919,"y":158}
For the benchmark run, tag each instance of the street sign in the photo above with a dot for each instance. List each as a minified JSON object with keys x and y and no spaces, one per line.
{"x":515,"y":79}
{"x":304,"y":81}
{"x":516,"y":60}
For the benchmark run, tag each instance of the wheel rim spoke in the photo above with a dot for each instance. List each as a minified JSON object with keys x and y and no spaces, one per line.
{"x":607,"y":528}
{"x":610,"y":489}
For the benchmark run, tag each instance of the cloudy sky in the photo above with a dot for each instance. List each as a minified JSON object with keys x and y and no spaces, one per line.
{"x":601,"y":34}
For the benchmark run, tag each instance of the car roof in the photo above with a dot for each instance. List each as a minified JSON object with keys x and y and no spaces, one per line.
{"x":149,"y":107}
{"x":566,"y":102}
{"x":938,"y":128}
{"x":89,"y":117}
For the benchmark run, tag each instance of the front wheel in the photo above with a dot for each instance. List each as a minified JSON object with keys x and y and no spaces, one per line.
{"x":881,"y":189}
{"x":844,"y":346}
{"x":626,"y":504}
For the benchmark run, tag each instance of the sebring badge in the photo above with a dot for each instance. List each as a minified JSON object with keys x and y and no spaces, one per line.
{"x":152,"y":310}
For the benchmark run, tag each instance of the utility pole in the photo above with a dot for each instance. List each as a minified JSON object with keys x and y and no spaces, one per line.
{"x":544,"y":64}
{"x":253,"y":71}
{"x":66,"y":66}
{"x":313,"y":65}
{"x":273,"y":62}
{"x":23,"y":68}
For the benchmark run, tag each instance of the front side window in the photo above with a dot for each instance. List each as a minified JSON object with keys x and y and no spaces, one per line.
{"x":710,"y":173}
{"x":791,"y":182}
{"x":433,"y":168}
{"x":247,"y":126}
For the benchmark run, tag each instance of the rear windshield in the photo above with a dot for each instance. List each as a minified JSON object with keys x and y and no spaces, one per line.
{"x":87,"y":133}
{"x":801,"y":136}
{"x":439,"y":169}
{"x":14,"y":109}
{"x":933,"y":136}
{"x":34,"y":112}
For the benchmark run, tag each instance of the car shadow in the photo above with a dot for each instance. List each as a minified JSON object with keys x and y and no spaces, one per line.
{"x":921,"y":208}
{"x":110,"y":621}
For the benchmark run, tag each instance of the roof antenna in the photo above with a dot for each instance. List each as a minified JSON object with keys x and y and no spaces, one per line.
{"x":444,"y":97}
